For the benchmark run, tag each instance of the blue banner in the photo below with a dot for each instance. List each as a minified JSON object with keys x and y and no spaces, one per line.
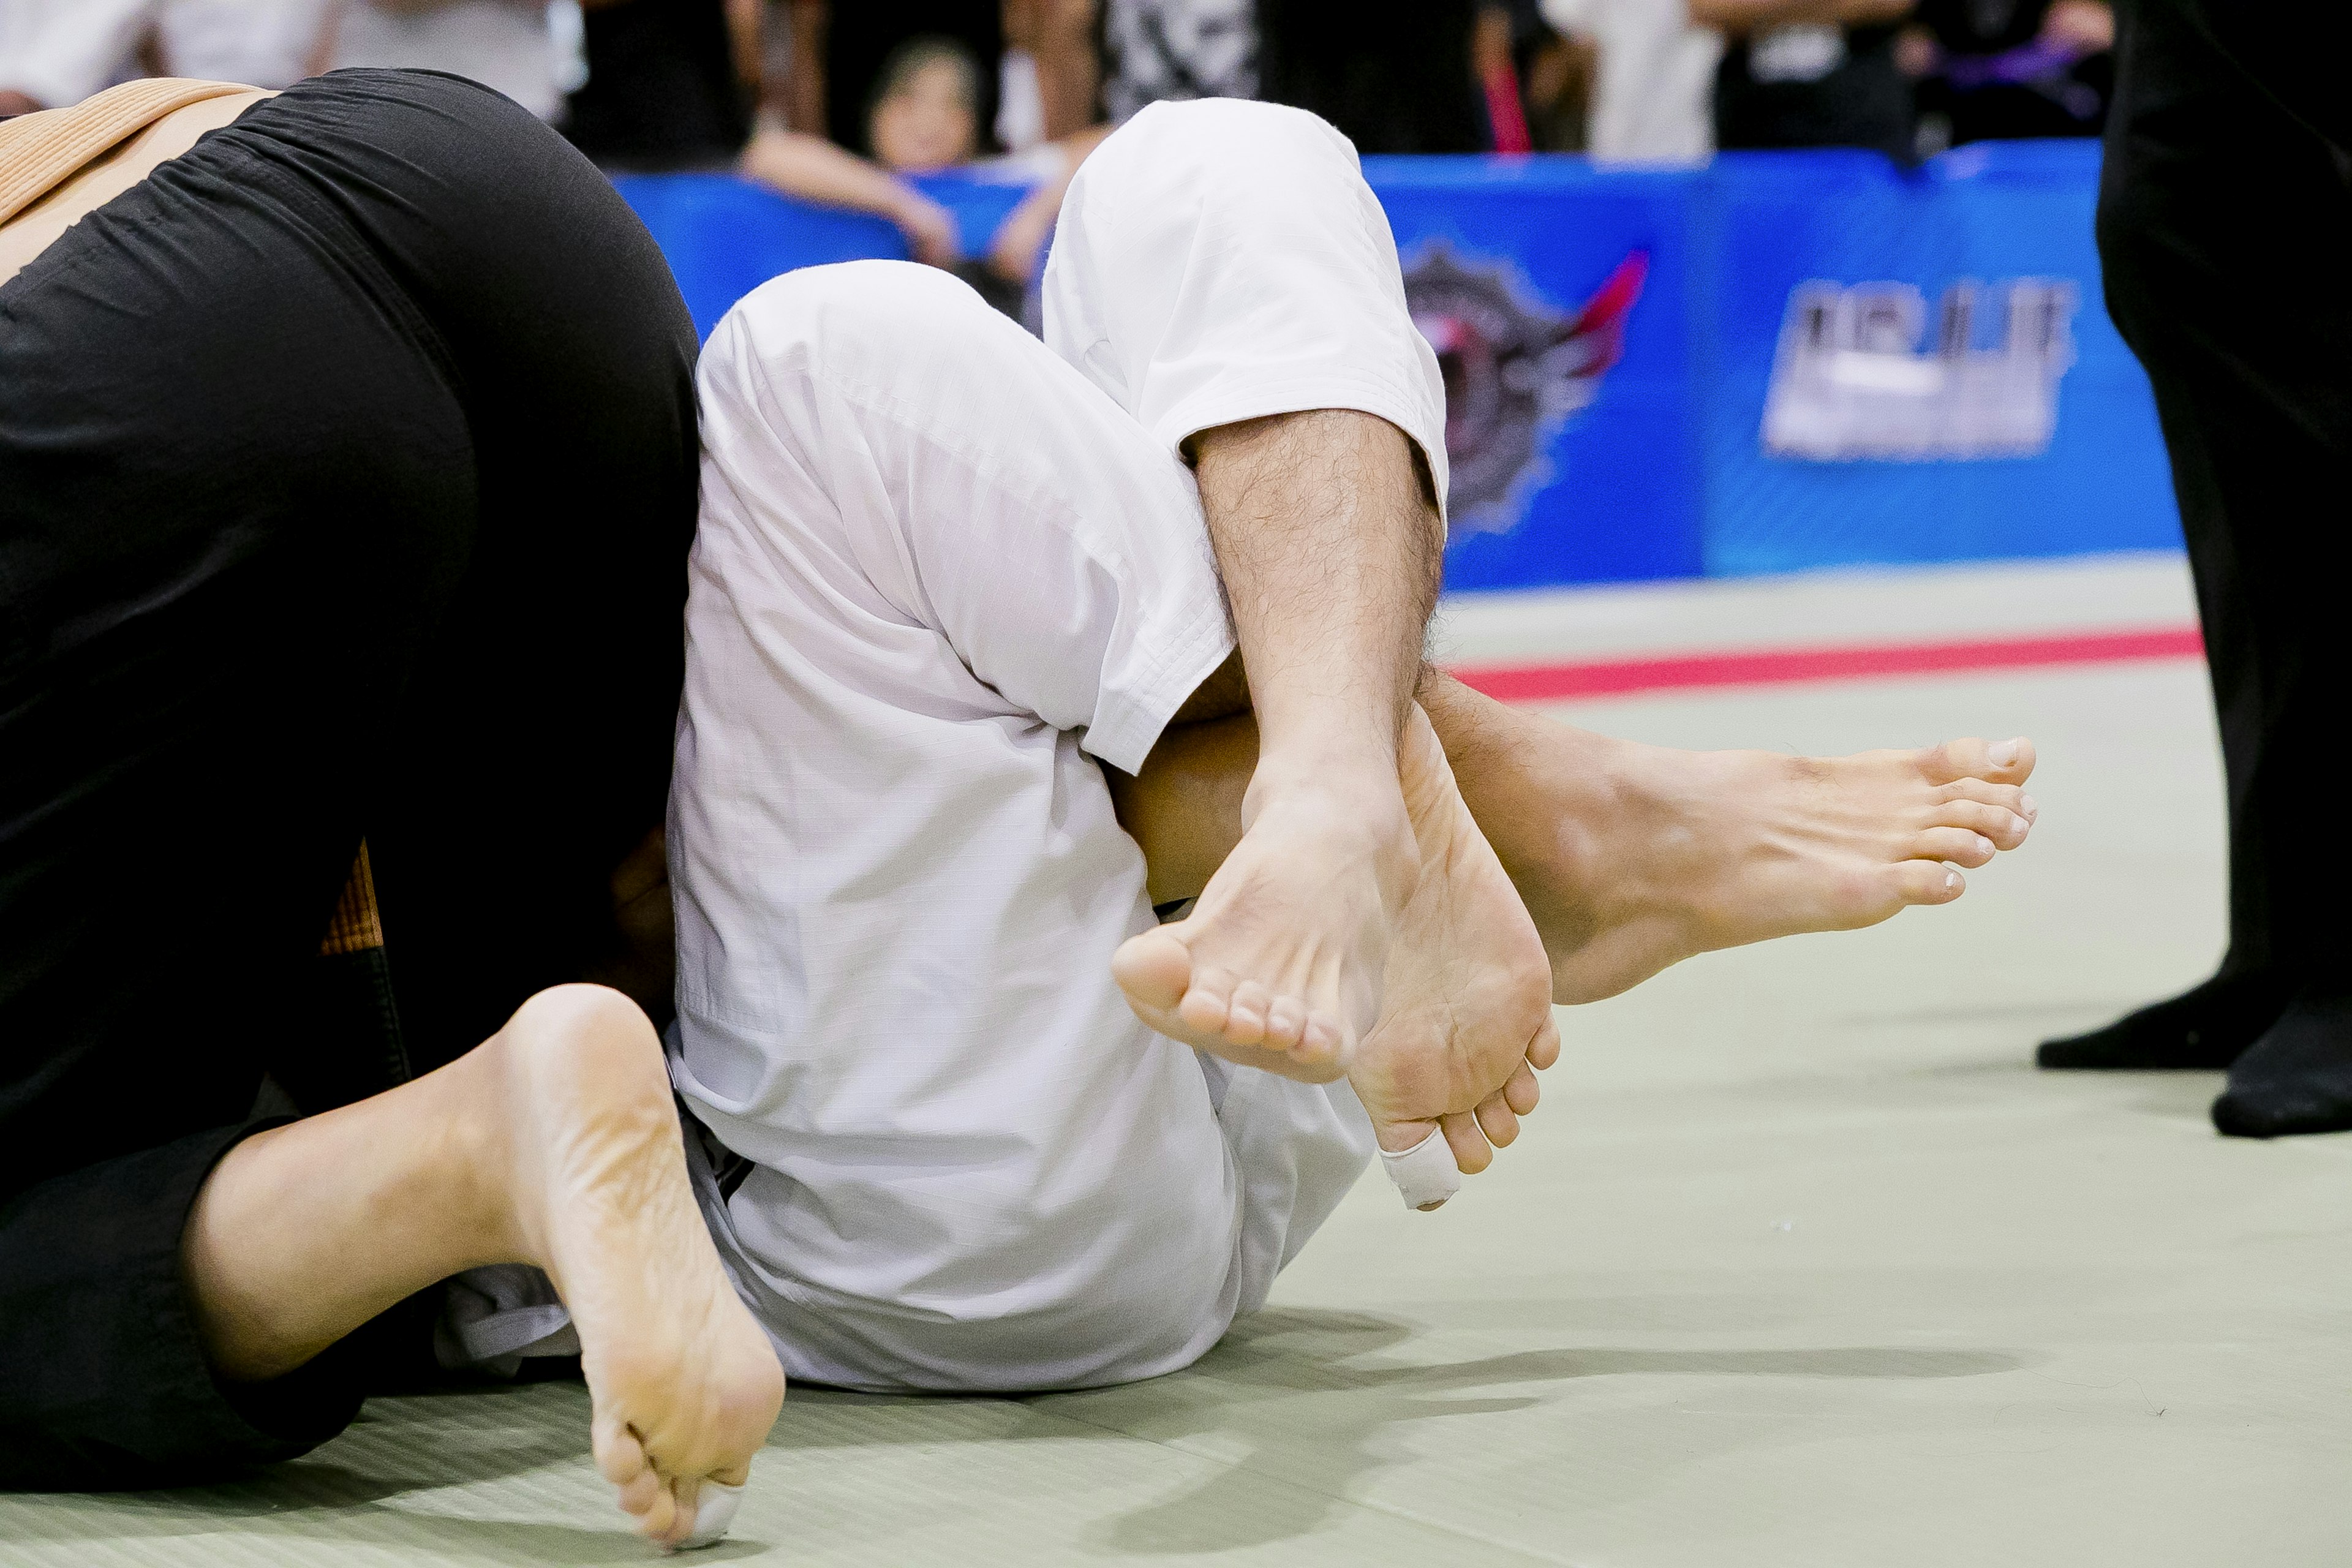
{"x":1782,"y":360}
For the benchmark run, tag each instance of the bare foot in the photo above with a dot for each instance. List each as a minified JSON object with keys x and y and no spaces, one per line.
{"x":1632,"y":857}
{"x":1279,"y":964}
{"x":1468,"y":1013}
{"x":685,"y":1385}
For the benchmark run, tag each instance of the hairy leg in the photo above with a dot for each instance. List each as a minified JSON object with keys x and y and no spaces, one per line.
{"x":1329,"y":542}
{"x":1632,"y":857}
{"x":556,"y":1143}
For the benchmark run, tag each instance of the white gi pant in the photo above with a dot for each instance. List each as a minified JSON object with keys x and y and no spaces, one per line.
{"x":944,"y":574}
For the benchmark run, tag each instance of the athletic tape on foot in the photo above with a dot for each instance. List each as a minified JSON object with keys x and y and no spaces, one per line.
{"x":1425,"y":1174}
{"x":714,"y":1511}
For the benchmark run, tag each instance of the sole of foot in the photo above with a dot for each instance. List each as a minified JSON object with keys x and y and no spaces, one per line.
{"x":1632,"y":857}
{"x":2204,"y":1029}
{"x":1278,"y":965}
{"x":2297,"y":1079}
{"x":1467,"y":1019}
{"x":685,"y":1385}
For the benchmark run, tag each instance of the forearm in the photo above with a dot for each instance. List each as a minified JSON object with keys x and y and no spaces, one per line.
{"x":815,"y":170}
{"x":1023,"y":236}
{"x":1739,"y":18}
{"x":804,"y":107}
{"x":745,"y":48}
{"x":1068,"y":71}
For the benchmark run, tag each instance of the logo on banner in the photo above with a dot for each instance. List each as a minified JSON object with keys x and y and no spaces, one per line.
{"x":1851,"y":379}
{"x":1515,"y":370}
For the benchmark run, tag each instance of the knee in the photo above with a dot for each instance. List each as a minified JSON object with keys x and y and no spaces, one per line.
{"x":854,"y":318}
{"x":1268,"y":170}
{"x":1229,"y":137}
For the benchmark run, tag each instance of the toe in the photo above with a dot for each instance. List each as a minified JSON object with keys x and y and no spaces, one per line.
{"x":2000,"y":762}
{"x":1323,"y":1041}
{"x":1285,"y":1024}
{"x":1206,"y":1007}
{"x":1954,"y":844}
{"x":2004,"y":800}
{"x":1544,"y":1048}
{"x":620,"y":1457}
{"x":660,"y":1520}
{"x":1928,"y":882}
{"x":637,"y":1496}
{"x":686,"y":1498}
{"x":1522,"y":1092}
{"x":1154,"y":969}
{"x":1499,"y":1122}
{"x":2004,"y":827}
{"x":1472,"y":1153}
{"x":1246,"y":1013}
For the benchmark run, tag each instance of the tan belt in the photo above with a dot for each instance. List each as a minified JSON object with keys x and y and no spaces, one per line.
{"x":38,"y":152}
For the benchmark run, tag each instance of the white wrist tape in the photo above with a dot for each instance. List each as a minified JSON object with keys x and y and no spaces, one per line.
{"x":1425,"y":1174}
{"x":714,"y":1511}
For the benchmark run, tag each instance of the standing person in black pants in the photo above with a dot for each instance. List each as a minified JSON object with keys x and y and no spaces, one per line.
{"x":2225,"y":231}
{"x":347,"y":477}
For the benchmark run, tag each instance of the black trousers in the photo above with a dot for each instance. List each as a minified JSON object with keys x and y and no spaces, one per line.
{"x":2225,"y":233}
{"x":347,"y":474}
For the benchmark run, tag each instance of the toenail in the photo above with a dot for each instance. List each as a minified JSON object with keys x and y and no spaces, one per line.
{"x":1951,"y":879}
{"x":2025,"y":804}
{"x":2004,"y":753}
{"x":1984,"y":845}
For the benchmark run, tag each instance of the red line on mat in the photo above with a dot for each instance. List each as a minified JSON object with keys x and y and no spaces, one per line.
{"x":1783,"y":666}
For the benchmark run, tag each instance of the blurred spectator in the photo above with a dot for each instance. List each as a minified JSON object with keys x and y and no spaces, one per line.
{"x":1395,"y":76}
{"x":1173,"y":50}
{"x":1810,"y":73}
{"x":925,"y":117}
{"x":839,"y":50}
{"x":505,"y":45}
{"x":1050,"y":80}
{"x":55,"y":52}
{"x":1653,"y":88}
{"x":1042,"y":49}
{"x":1992,"y":68}
{"x":1495,"y":34}
{"x":1556,"y":73}
{"x":671,"y":83}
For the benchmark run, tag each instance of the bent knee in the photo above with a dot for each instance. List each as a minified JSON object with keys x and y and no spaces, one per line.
{"x":853,"y":318}
{"x":1229,"y":139}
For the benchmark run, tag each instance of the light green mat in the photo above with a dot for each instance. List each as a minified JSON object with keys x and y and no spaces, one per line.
{"x":1800,"y":1264}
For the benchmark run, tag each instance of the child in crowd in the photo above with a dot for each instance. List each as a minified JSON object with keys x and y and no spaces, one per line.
{"x":923,"y":118}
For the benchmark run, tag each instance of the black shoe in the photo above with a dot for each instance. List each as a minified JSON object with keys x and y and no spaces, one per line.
{"x":2204,"y":1029}
{"x":2298,"y":1077}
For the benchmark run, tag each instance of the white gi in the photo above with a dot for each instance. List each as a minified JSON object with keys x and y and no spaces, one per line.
{"x":941,"y":569}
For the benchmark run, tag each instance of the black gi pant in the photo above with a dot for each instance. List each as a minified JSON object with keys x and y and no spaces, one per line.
{"x":347,"y":474}
{"x":2225,"y":232}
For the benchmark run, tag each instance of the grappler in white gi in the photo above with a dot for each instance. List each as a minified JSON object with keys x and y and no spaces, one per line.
{"x":951,"y":584}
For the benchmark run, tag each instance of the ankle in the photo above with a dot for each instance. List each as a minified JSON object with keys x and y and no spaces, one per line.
{"x":1357,"y":798}
{"x":474,"y":1169}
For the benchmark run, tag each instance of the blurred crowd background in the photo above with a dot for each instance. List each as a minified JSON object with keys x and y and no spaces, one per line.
{"x":826,"y":99}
